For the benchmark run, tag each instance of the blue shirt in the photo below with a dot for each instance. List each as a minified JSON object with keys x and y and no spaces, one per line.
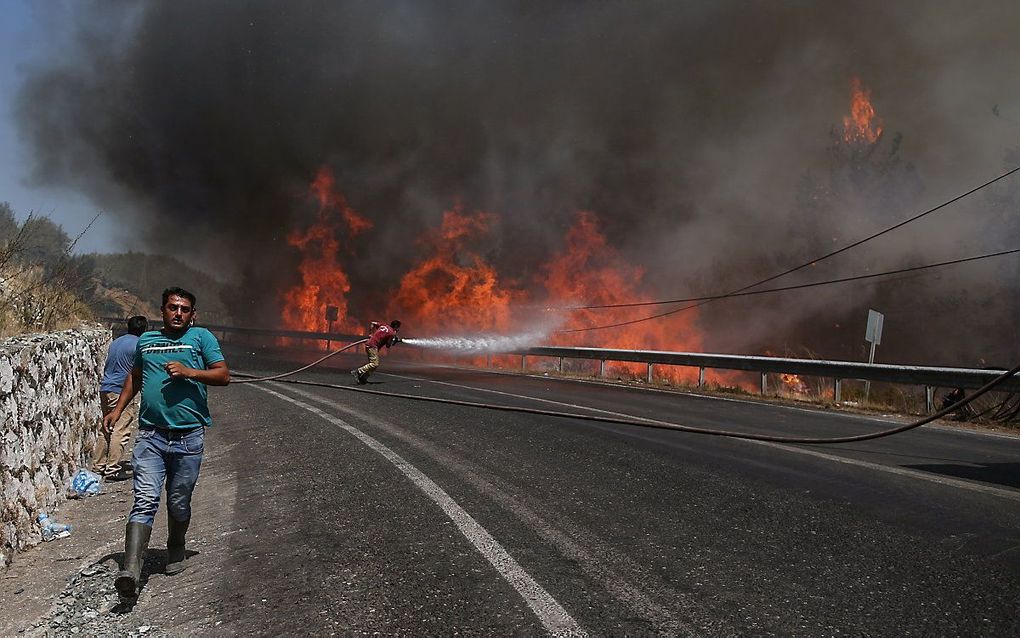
{"x":119,"y":361}
{"x":175,"y":403}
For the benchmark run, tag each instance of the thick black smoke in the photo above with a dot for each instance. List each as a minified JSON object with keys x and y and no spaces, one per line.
{"x":703,"y":135}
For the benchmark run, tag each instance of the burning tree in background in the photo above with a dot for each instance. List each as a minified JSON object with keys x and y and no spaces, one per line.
{"x":861,"y":127}
{"x":324,"y":281}
{"x":864,"y":187}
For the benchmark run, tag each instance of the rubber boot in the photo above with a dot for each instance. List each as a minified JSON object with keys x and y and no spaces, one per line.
{"x":175,"y":555}
{"x":136,"y":540}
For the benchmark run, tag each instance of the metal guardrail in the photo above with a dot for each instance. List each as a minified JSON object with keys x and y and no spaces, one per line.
{"x":838,"y":371}
{"x":914,"y":375}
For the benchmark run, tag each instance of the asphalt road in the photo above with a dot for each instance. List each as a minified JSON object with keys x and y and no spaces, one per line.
{"x":329,"y":510}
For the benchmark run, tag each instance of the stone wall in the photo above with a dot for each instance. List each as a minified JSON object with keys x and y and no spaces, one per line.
{"x":49,"y":403}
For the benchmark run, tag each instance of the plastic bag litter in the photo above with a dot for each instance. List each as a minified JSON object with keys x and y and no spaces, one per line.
{"x":84,"y":483}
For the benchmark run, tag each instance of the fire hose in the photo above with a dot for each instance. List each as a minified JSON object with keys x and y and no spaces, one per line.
{"x":302,"y":369}
{"x":641,"y":422}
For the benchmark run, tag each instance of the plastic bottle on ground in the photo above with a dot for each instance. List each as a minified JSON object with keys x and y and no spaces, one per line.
{"x":52,"y":531}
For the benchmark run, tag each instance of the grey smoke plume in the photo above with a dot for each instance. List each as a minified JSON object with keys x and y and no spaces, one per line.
{"x":698,"y":132}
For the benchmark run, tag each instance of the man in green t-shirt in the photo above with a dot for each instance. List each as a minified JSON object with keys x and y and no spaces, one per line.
{"x":172,"y":368}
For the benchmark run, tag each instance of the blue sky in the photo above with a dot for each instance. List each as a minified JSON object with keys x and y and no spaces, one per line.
{"x":27,"y":31}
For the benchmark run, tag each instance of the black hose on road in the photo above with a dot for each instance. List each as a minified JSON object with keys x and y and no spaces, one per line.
{"x":287,"y":374}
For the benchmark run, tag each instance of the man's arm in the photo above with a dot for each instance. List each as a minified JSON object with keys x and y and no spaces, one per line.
{"x":216,"y":374}
{"x":132,"y":383}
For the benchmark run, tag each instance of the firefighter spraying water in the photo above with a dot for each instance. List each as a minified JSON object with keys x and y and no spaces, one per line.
{"x":382,"y":335}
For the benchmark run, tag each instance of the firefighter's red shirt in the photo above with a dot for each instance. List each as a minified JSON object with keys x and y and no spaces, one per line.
{"x":383,"y":336}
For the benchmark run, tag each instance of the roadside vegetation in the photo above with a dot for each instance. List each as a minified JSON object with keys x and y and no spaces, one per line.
{"x":138,"y":280}
{"x":42,"y":284}
{"x":45,"y":286}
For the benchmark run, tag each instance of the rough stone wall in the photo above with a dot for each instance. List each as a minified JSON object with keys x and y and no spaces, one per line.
{"x":49,"y":403}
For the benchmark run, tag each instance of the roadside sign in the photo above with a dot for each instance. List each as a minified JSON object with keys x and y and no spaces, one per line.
{"x":874,"y":332}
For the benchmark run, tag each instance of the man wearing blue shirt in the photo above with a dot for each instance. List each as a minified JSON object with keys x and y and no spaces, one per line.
{"x":112,"y":440}
{"x":172,"y":368}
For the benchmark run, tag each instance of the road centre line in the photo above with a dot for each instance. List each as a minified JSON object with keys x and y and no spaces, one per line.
{"x":550,"y":613}
{"x":899,"y":471}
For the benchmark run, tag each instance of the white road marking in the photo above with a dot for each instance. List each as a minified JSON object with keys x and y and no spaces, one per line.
{"x":601,"y":562}
{"x":924,"y":476}
{"x":550,"y":613}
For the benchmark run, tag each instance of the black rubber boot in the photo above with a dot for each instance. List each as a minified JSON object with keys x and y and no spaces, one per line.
{"x":175,"y":555}
{"x":136,"y":540}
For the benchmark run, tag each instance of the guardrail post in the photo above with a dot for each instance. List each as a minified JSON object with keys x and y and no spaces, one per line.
{"x":837,"y":390}
{"x":929,"y":399}
{"x":602,"y":369}
{"x":701,"y":377}
{"x":649,"y":373}
{"x":559,"y":366}
{"x":524,"y":364}
{"x":764,"y":385}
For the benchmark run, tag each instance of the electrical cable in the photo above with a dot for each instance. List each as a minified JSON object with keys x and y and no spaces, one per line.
{"x":653,"y":423}
{"x":805,"y":264}
{"x":799,"y":286}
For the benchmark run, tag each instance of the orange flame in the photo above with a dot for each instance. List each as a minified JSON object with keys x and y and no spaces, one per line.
{"x":323,"y":280}
{"x":793,"y":383}
{"x":455,"y":289}
{"x":861,"y":126}
{"x":590,"y":271}
{"x":324,"y":189}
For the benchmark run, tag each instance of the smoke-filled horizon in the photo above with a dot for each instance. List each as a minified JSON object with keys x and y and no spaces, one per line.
{"x":705,"y":138}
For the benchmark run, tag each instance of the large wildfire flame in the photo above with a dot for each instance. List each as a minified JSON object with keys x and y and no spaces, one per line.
{"x":861,"y":126}
{"x":323,"y":280}
{"x":454,"y":290}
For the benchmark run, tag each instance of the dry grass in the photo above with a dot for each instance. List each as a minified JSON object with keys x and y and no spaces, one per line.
{"x":42,"y":284}
{"x":32,"y":301}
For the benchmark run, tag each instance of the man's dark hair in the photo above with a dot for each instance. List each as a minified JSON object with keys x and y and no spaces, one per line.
{"x":395,"y":324}
{"x":180,"y":292}
{"x":138,"y":324}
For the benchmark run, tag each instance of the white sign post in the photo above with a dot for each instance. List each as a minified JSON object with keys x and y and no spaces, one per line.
{"x":873,"y":335}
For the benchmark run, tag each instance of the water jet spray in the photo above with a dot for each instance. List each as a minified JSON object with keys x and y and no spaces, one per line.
{"x":480,"y":343}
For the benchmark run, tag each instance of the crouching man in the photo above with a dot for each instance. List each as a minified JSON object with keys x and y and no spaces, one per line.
{"x":172,"y":368}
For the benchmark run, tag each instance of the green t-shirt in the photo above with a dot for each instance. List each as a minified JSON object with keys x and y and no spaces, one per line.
{"x":175,"y":403}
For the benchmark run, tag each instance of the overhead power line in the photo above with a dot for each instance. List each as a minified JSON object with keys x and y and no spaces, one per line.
{"x":841,"y":280}
{"x":801,"y":266}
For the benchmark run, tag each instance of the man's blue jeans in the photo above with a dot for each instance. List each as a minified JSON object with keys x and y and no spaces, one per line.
{"x":170,"y":456}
